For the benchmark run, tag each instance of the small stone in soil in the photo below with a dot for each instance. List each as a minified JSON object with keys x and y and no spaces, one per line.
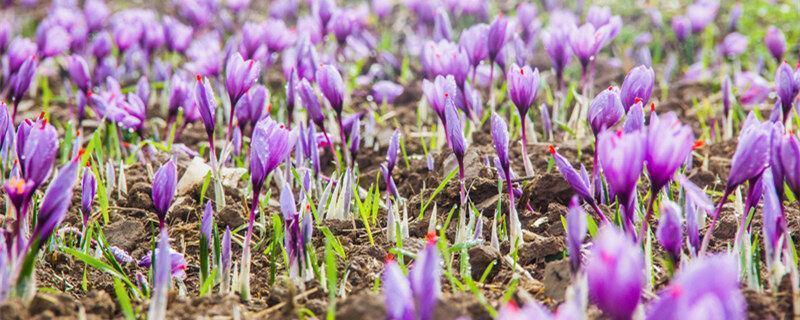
{"x":480,"y":257}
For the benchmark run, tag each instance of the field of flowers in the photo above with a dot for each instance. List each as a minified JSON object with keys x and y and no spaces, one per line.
{"x":399,"y":159}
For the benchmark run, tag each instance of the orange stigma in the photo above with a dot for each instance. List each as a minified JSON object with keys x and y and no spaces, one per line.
{"x":652,"y":106}
{"x":552,"y":149}
{"x":389,"y":258}
{"x":431,"y":237}
{"x":698,"y":144}
{"x":198,"y":77}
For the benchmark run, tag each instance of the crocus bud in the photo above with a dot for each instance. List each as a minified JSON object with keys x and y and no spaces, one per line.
{"x":207,"y":223}
{"x":355,"y":138}
{"x":774,"y":222}
{"x":786,"y":87}
{"x":733,"y":45}
{"x":271,"y":144}
{"x":55,"y":203}
{"x":88,"y":191}
{"x":605,"y":110}
{"x":473,"y":41}
{"x":393,"y":150}
{"x":669,"y":233}
{"x":143,"y":90}
{"x":638,"y":83}
{"x":681,"y":27}
{"x":775,"y":42}
{"x":556,"y":43}
{"x":79,"y":72}
{"x":164,"y":189}
{"x":496,"y":37}
{"x":38,"y":151}
{"x":576,"y":232}
{"x":240,"y":75}
{"x":727,"y":95}
{"x":615,"y":273}
{"x":622,"y":158}
{"x":785,"y":161}
{"x":500,"y":140}
{"x":667,"y":146}
{"x":702,"y":13}
{"x":162,"y":277}
{"x":332,"y":87}
{"x":579,"y":181}
{"x":399,"y":300}
{"x":438,"y":92}
{"x":225,"y":255}
{"x":311,"y":102}
{"x":752,"y":154}
{"x":455,"y":131}
{"x":101,"y":45}
{"x":705,"y":287}
{"x":386,"y":91}
{"x":523,"y":85}
{"x":21,"y":81}
{"x":442,"y":30}
{"x":206,"y":103}
{"x":424,"y":278}
{"x":635,"y":119}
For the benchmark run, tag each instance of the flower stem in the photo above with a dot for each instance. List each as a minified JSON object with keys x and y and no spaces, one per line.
{"x":646,"y":220}
{"x":525,"y":158}
{"x":714,"y":218}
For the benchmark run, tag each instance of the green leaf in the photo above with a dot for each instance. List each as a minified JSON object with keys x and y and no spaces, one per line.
{"x":337,"y":246}
{"x":437,"y":191}
{"x":331,"y":276}
{"x":204,"y":187}
{"x":208,"y":284}
{"x":123,"y":300}
{"x":99,"y":265}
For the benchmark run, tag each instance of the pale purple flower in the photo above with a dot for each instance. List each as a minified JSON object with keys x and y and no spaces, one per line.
{"x":615,"y":273}
{"x":638,"y":83}
{"x":775,"y":42}
{"x":576,"y":232}
{"x":669,"y":233}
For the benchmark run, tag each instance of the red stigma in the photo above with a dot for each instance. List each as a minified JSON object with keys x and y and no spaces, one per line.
{"x":652,"y":106}
{"x":619,"y":133}
{"x":513,"y":305}
{"x":431,"y":237}
{"x":698,"y":144}
{"x":41,"y":115}
{"x":552,"y":149}
{"x":281,"y":126}
{"x":637,"y":100}
{"x":89,"y":93}
{"x":88,"y":164}
{"x":81,"y":151}
{"x":250,"y":65}
{"x":78,"y":133}
{"x":269,"y":107}
{"x":198,"y":77}
{"x":389,"y":258}
{"x":610,"y":88}
{"x":521,"y":71}
{"x":44,"y":123}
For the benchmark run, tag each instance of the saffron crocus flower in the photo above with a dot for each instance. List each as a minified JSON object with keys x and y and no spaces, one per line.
{"x":681,"y":27}
{"x":442,"y":30}
{"x":438,"y":92}
{"x":786,"y":87}
{"x":455,"y":134}
{"x":252,"y":106}
{"x":240,"y":75}
{"x":774,"y":222}
{"x":207,"y":104}
{"x":749,"y":161}
{"x":634,"y":120}
{"x":18,"y":192}
{"x":21,"y":81}
{"x":705,"y":287}
{"x":556,"y":43}
{"x":727,"y":95}
{"x":775,"y":42}
{"x":496,"y":37}
{"x":55,"y":203}
{"x":225,"y":260}
{"x":311,"y":102}
{"x":733,"y":45}
{"x":621,"y":156}
{"x":424,"y":278}
{"x":162,"y":277}
{"x":579,"y":181}
{"x":576,"y":232}
{"x":669,"y":233}
{"x":79,"y":72}
{"x":586,"y":42}
{"x":500,"y":139}
{"x":638,"y":83}
{"x":615,"y":273}
{"x":473,"y":42}
{"x":88,"y":191}
{"x":701,"y":14}
{"x":785,"y":160}
{"x":605,"y":110}
{"x":355,"y":139}
{"x":523,"y":85}
{"x":38,"y":142}
{"x":330,"y":83}
{"x":163,"y":192}
{"x":386,"y":91}
{"x":206,"y":240}
{"x":399,"y":300}
{"x":391,"y":160}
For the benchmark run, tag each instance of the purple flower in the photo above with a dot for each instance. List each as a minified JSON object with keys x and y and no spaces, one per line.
{"x":705,"y":287}
{"x":605,"y":110}
{"x":438,"y":92}
{"x":240,"y":75}
{"x":500,"y":140}
{"x":19,"y":51}
{"x":701,"y":14}
{"x":752,"y":154}
{"x":96,"y":13}
{"x":579,"y":181}
{"x":496,"y":37}
{"x":775,"y":42}
{"x":178,"y":35}
{"x":786,"y":87}
{"x":225,"y":255}
{"x":386,"y":91}
{"x":382,"y":8}
{"x":442,"y":30}
{"x":53,"y":41}
{"x":555,"y":40}
{"x":176,"y":263}
{"x":774,"y":220}
{"x":681,"y":26}
{"x":635,"y":119}
{"x":271,"y":144}
{"x":638,"y":83}
{"x":22,"y":80}
{"x":785,"y":161}
{"x":291,"y":95}
{"x":621,"y":156}
{"x":39,"y":150}
{"x":615,"y":273}
{"x":455,"y":132}
{"x":669,"y":233}
{"x":397,"y":291}
{"x":523,"y":85}
{"x":733,"y":45}
{"x":207,"y":104}
{"x":727,"y":95}
{"x":207,"y":224}
{"x":79,"y":72}
{"x":424,"y":278}
{"x":342,"y":25}
{"x":101,"y":45}
{"x":311,"y":102}
{"x":472,"y":40}
{"x":576,"y":232}
{"x":88,"y":191}
{"x":163,"y":192}
{"x":252,"y":106}
{"x":586,"y":42}
{"x":178,"y":97}
{"x":752,"y":88}
{"x":330,"y":83}
{"x":668,"y":143}
{"x":143,"y":90}
{"x":18,"y":192}
{"x":55,"y":203}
